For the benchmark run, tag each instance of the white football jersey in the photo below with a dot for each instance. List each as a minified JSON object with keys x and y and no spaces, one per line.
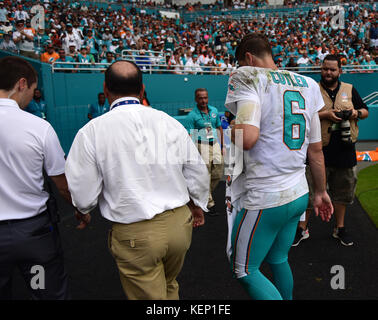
{"x":288,"y":102}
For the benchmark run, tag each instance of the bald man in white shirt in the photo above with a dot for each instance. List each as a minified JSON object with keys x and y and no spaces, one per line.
{"x":142,"y":168}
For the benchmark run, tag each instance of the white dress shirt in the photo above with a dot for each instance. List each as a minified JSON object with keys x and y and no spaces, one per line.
{"x":136,"y":162}
{"x":28,"y":143}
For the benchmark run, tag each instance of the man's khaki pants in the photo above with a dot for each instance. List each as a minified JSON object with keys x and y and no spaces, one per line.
{"x":150,"y":254}
{"x":212,"y":155}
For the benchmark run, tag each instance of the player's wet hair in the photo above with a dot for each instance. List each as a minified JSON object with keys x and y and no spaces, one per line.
{"x":254,"y":43}
{"x":333,"y":57}
{"x":123,"y":83}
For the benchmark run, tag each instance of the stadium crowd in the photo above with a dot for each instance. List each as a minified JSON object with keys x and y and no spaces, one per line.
{"x":89,"y":35}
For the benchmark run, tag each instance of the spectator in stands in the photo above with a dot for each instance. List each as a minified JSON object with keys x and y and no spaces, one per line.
{"x":109,"y":58}
{"x":3,"y":12}
{"x":6,"y":27}
{"x":29,"y":28}
{"x":40,"y":40}
{"x":292,"y":65}
{"x":7,"y":44}
{"x":143,"y":61}
{"x":204,"y":58}
{"x":20,"y":13}
{"x":192,"y":66}
{"x":55,"y":39}
{"x":64,"y":58}
{"x":107,"y":37}
{"x":103,"y":51}
{"x":99,"y":108}
{"x":37,"y":106}
{"x":229,"y":66}
{"x":317,"y":62}
{"x":369,"y":64}
{"x":277,"y":50}
{"x":373,"y":34}
{"x":220,"y":66}
{"x":119,"y":50}
{"x":72,"y":52}
{"x":86,"y":58}
{"x":175,"y":63}
{"x":114,"y":45}
{"x":69,"y":38}
{"x":304,"y":62}
{"x":323,"y":52}
{"x":49,"y":56}
{"x":91,"y":42}
{"x":76,"y":30}
{"x":24,"y":39}
{"x":157,"y":60}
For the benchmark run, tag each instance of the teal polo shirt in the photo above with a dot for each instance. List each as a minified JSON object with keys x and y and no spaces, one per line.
{"x":198,"y":120}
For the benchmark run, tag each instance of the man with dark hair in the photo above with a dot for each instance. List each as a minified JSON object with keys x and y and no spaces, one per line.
{"x":202,"y":124}
{"x":29,"y":237}
{"x":256,"y":44}
{"x":37,"y":106}
{"x":149,"y":179}
{"x":99,"y":108}
{"x":339,"y":122}
{"x":64,"y":58}
{"x":277,"y":124}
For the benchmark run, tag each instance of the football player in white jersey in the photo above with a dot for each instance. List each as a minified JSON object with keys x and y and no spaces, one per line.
{"x":277,"y":116}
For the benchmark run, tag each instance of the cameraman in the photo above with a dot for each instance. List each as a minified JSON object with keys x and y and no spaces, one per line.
{"x":338,"y":145}
{"x":343,"y":108}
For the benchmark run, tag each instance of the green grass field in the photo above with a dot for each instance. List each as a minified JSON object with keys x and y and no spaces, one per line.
{"x":367,"y":191}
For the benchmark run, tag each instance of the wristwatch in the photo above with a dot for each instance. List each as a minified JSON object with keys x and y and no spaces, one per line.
{"x":359,"y":114}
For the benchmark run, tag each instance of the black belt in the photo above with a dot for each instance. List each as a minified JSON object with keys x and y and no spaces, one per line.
{"x":211,"y":142}
{"x":23,"y":220}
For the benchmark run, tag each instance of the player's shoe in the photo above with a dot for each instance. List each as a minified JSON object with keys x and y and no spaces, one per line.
{"x":300,"y":235}
{"x":343,"y":236}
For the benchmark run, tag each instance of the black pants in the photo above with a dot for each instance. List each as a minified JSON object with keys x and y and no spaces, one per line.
{"x":34,"y":247}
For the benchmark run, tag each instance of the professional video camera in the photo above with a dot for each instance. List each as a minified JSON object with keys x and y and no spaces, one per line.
{"x":345,"y":125}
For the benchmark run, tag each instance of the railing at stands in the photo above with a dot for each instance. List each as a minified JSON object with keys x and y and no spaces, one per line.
{"x":151,"y":67}
{"x":146,"y":67}
{"x":157,"y":57}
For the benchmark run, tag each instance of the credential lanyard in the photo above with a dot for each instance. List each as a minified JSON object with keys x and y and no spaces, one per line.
{"x":125,"y":102}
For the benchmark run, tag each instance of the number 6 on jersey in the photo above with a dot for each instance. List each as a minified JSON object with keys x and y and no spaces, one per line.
{"x":294,"y":126}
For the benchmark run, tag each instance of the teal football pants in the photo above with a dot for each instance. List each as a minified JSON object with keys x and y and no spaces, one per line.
{"x":265,"y":234}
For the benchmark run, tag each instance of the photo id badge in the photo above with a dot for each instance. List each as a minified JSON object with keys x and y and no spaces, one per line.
{"x":209,"y":131}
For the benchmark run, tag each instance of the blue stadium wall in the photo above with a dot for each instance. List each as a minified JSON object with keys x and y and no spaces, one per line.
{"x":68,"y":95}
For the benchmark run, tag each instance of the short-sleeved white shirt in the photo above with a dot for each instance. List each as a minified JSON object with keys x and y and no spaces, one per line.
{"x":28,"y":143}
{"x":24,"y":44}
